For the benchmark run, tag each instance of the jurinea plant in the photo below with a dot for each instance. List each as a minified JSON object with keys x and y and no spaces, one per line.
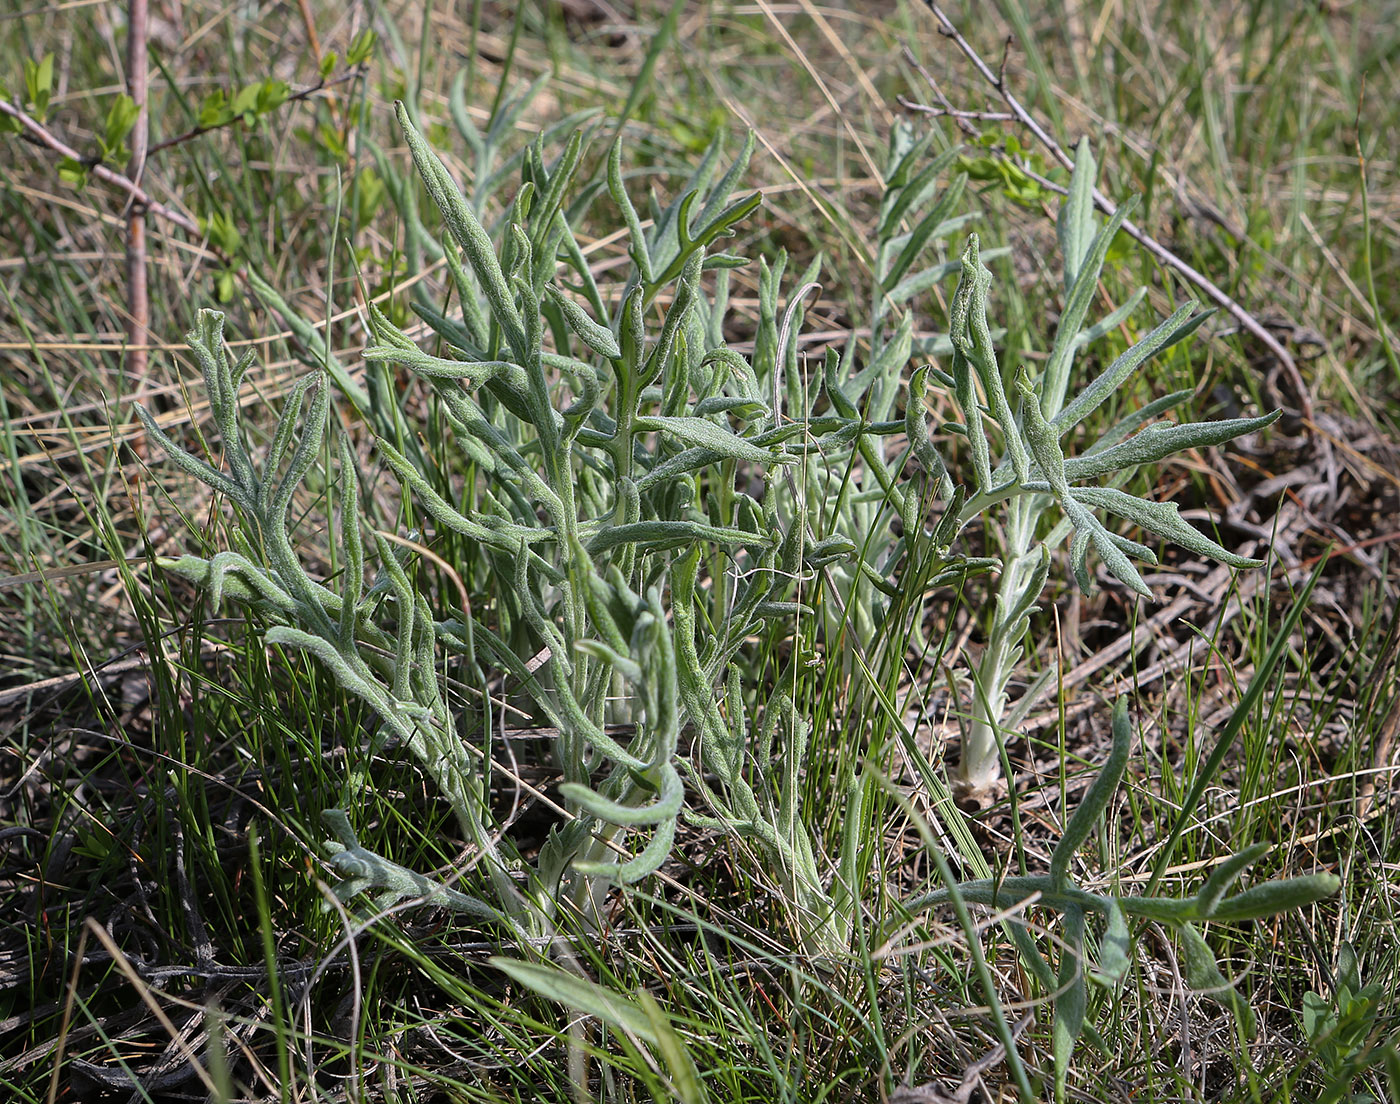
{"x":864,"y":483}
{"x":594,"y":472}
{"x":1034,"y":479}
{"x":605,"y":458}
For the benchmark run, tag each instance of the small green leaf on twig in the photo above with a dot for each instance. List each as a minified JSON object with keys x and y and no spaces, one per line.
{"x":121,"y":117}
{"x":72,"y":172}
{"x":38,"y":85}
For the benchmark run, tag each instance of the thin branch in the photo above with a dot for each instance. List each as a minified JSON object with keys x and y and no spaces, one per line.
{"x":956,"y":113}
{"x":295,"y":97}
{"x":314,"y":41}
{"x":1005,"y":57}
{"x":1105,"y":205}
{"x":959,"y":117}
{"x":138,"y":311}
{"x":40,"y":135}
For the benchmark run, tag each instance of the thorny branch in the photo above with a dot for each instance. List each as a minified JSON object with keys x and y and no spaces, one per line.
{"x":1246,"y":320}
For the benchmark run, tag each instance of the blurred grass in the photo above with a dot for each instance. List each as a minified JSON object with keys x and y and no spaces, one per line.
{"x":1240,"y":125}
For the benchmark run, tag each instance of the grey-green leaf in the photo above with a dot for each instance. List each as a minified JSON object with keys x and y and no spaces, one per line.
{"x":1272,"y":898}
{"x":1115,"y":946}
{"x":192,"y":465}
{"x":672,"y":534}
{"x":1162,"y":519}
{"x":1204,"y":976}
{"x":702,"y":433}
{"x":425,"y":364}
{"x":1078,"y":297}
{"x":1158,"y":441}
{"x":1224,"y":876}
{"x":1176,"y":328}
{"x":1088,"y":530}
{"x":1071,"y":1000}
{"x":598,"y":338}
{"x":578,"y":994}
{"x":1075,"y":224}
{"x":468,"y":232}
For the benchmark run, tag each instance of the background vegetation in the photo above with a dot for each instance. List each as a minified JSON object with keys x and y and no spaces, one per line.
{"x":164,"y":771}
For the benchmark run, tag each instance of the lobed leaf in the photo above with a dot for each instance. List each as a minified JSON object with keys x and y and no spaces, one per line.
{"x":1176,"y":328}
{"x":1078,"y":297}
{"x":703,"y":433}
{"x":1159,"y":441}
{"x":1162,"y":519}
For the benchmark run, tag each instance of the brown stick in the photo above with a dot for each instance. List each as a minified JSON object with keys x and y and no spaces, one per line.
{"x":138,"y":307}
{"x":1104,"y":204}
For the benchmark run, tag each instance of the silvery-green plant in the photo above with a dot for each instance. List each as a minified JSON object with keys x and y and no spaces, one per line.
{"x":606,"y":439}
{"x":1034,"y":482}
{"x":862,"y":483}
{"x":610,"y":440}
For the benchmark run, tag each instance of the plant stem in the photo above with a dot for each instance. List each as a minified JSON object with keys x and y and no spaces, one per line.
{"x":138,"y":310}
{"x":980,"y":766}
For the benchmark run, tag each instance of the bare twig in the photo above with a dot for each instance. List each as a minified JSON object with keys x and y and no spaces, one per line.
{"x":972,"y":1076}
{"x":314,"y":41}
{"x":955,"y":113}
{"x":962,"y":118}
{"x":1104,"y":204}
{"x":123,"y":963}
{"x":1390,"y":724}
{"x":40,"y":135}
